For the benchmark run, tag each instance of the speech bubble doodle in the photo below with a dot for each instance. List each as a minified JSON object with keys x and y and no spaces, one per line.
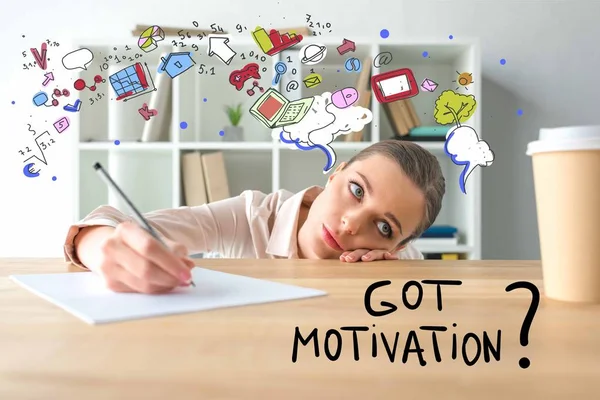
{"x":79,"y":58}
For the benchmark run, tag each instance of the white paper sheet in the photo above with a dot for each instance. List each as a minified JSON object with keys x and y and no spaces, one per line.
{"x":84,"y":295}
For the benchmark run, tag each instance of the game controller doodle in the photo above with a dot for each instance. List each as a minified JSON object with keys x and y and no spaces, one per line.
{"x":239,"y":76}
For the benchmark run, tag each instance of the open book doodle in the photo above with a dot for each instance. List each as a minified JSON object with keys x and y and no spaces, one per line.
{"x":85,"y":295}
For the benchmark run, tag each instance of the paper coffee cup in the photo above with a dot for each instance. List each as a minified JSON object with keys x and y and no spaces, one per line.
{"x":566,"y":173}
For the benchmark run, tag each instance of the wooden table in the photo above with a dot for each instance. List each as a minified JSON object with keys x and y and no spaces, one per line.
{"x":246,"y":353}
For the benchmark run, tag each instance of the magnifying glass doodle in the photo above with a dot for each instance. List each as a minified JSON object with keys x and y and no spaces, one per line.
{"x":281,"y":69}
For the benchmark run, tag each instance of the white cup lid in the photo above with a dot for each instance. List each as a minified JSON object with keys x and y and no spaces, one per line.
{"x":569,"y":138}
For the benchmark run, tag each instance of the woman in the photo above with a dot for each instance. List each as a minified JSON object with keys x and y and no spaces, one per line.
{"x":371,"y":208}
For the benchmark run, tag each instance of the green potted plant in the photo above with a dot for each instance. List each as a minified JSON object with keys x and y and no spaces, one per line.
{"x":234,"y":132}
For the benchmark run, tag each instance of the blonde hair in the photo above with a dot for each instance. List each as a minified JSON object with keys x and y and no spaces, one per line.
{"x":422,"y":168}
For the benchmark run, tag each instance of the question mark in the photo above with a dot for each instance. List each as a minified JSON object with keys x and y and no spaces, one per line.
{"x":535,"y":301}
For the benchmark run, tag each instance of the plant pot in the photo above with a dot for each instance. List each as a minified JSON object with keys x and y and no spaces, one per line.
{"x":233,"y":134}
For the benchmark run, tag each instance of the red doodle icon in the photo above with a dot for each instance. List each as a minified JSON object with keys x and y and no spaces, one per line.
{"x":59,"y":93}
{"x":80,"y":83}
{"x":255,"y":84}
{"x":239,"y":76}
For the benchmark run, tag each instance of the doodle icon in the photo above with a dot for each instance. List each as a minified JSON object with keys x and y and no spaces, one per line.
{"x":150,"y":37}
{"x":280,"y":69}
{"x":61,"y":124}
{"x":49,"y":77}
{"x":394,"y":85}
{"x":312,"y":54}
{"x":312,"y":80}
{"x":239,"y":76}
{"x":344,"y":98}
{"x":40,"y":59}
{"x":464,"y":79}
{"x":147,"y":113}
{"x":40,"y":99}
{"x":353,"y":64}
{"x":274,"y":110}
{"x":428,"y":85}
{"x":79,"y":58}
{"x":274,"y":42}
{"x":30,"y":172}
{"x":466,"y":150}
{"x":80,"y":83}
{"x":218,"y":46}
{"x":346,"y":46}
{"x":129,"y":81}
{"x":176,"y":63}
{"x":255,"y":84}
{"x":73,"y":108}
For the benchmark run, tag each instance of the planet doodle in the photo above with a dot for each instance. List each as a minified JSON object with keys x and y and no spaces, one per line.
{"x":312,"y":54}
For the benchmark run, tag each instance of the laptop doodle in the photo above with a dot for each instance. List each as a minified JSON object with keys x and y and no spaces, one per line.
{"x":275,"y":111}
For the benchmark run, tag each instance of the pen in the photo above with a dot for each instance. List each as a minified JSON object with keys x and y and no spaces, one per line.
{"x":136,"y":214}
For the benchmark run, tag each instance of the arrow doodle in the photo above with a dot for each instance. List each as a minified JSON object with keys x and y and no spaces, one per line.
{"x":217,"y":46}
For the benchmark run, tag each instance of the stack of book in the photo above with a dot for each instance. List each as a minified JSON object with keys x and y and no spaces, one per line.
{"x":442,"y":256}
{"x":427,"y":133}
{"x":439,"y":235}
{"x":204,"y":178}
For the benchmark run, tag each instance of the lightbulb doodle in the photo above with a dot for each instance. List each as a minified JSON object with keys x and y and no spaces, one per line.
{"x":462,"y":142}
{"x":323,"y":118}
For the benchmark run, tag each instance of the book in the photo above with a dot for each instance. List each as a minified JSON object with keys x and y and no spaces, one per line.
{"x":420,"y":138}
{"x":440,"y":231}
{"x":399,"y":126}
{"x":430,"y":242}
{"x":439,"y":130}
{"x":450,"y":256}
{"x":192,"y":176}
{"x":215,"y":176}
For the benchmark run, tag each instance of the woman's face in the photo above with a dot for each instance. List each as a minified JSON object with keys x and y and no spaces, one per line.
{"x":371,"y":204}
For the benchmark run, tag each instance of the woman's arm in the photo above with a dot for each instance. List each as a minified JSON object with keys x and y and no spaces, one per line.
{"x":221,"y":227}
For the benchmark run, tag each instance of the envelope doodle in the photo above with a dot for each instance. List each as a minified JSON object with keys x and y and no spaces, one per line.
{"x":428,"y":85}
{"x":312,"y":80}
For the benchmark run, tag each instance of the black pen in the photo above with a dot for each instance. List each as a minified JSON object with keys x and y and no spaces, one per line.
{"x":136,"y":214}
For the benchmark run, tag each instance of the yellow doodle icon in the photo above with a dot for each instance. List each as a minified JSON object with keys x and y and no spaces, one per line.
{"x":312,"y":80}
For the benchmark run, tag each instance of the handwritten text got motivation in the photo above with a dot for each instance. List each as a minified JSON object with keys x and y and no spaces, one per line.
{"x":332,"y":345}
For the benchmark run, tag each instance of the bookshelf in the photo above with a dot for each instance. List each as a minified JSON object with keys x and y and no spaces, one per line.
{"x":151,"y":171}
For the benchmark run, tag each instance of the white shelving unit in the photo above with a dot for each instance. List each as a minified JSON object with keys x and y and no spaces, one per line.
{"x":151,"y":172}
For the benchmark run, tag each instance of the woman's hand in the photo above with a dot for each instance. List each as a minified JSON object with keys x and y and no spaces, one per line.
{"x":131,"y":260}
{"x":366,"y":255}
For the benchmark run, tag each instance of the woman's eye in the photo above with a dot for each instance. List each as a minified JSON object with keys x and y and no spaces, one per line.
{"x":385,"y":229}
{"x":356,"y":190}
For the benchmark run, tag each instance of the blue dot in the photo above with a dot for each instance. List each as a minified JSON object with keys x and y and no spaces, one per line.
{"x":425,"y":54}
{"x":384,"y":33}
{"x":502,"y":61}
{"x":117,"y":142}
{"x":338,"y":70}
{"x":13,"y":102}
{"x":53,"y":178}
{"x":450,"y":37}
{"x":519,"y":112}
{"x":205,"y":99}
{"x":222,"y":133}
{"x":183,"y":125}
